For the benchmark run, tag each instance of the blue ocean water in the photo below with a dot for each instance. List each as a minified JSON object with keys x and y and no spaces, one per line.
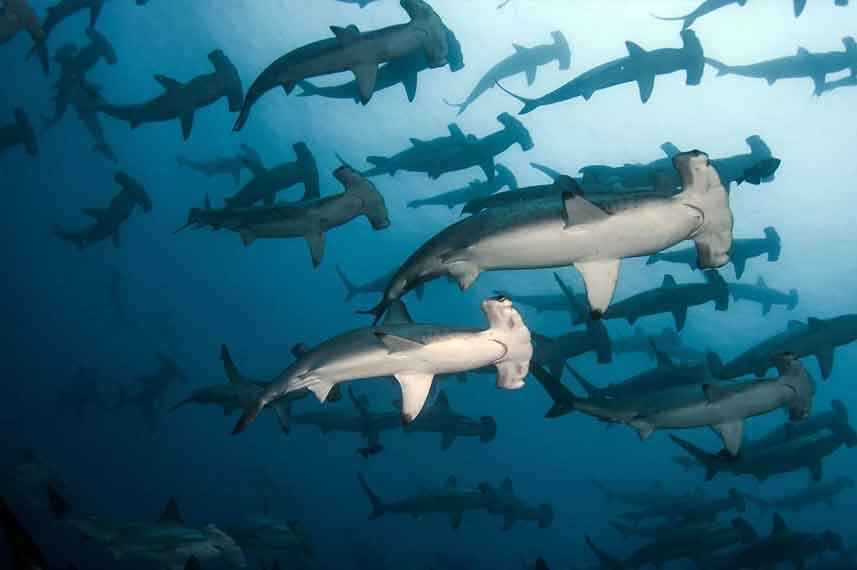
{"x":187,"y":294}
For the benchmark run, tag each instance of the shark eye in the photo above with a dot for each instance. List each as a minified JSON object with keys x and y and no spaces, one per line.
{"x":500,"y":298}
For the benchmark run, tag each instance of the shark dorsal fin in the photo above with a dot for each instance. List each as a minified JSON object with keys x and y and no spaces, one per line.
{"x":802,"y":51}
{"x":761,"y":283}
{"x":395,"y":343}
{"x":171,"y":514}
{"x":779,"y":524}
{"x":442,"y":401}
{"x":634,"y":49}
{"x":397,"y":314}
{"x":668,"y":282}
{"x":167,"y":83}
{"x":519,"y":48}
{"x":346,"y":35}
{"x":507,"y":488}
{"x":416,"y":142}
{"x":452,"y":482}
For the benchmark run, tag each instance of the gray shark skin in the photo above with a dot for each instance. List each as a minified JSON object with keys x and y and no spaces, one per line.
{"x":785,"y":545}
{"x":552,"y":353}
{"x":355,"y":51}
{"x":57,"y":14}
{"x":654,"y":495}
{"x":267,"y":183}
{"x":309,"y":219}
{"x":269,"y":536}
{"x":810,"y":496}
{"x":223,"y":165}
{"x":755,"y":167}
{"x":441,"y":418}
{"x":836,"y":418}
{"x":108,"y":220}
{"x":148,"y":393}
{"x":413,"y":354}
{"x":742,"y":250}
{"x":673,"y":298}
{"x":16,"y":16}
{"x":456,"y":152}
{"x":573,"y":231}
{"x":639,"y":66}
{"x":19,"y":133}
{"x":455,"y":501}
{"x":167,"y":543}
{"x":241,"y":392}
{"x":524,"y":60}
{"x":795,"y":455}
{"x":725,"y":409}
{"x":667,"y":341}
{"x":694,"y":543}
{"x":818,"y":338}
{"x":182,"y":100}
{"x":475,"y":190}
{"x":403,"y":71}
{"x":696,"y":509}
{"x":707,"y":7}
{"x":764,"y":295}
{"x":80,"y":395}
{"x":814,"y":66}
{"x":86,"y":100}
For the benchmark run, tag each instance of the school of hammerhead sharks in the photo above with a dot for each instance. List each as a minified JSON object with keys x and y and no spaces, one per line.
{"x":591,"y":222}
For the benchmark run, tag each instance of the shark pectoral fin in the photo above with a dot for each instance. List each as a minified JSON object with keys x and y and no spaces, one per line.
{"x":531,"y":74}
{"x":396,"y":344}
{"x":116,"y":238}
{"x":599,"y":278}
{"x":740,"y":263}
{"x":680,"y":316}
{"x":283,"y":409}
{"x":825,"y":361}
{"x":187,"y":124}
{"x":367,"y":76}
{"x":410,"y":84}
{"x":646,"y":83}
{"x":455,"y":519}
{"x":818,"y":82}
{"x":315,"y":241}
{"x":415,"y":390}
{"x":766,"y":308}
{"x":446,"y":440}
{"x":167,"y":83}
{"x":511,"y":374}
{"x":464,"y":272}
{"x":732,"y":433}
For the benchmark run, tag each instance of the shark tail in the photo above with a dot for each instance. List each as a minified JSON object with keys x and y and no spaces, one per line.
{"x":722,"y":68}
{"x":460,"y":106}
{"x":688,"y":19}
{"x":378,"y":310}
{"x":606,"y":560}
{"x":698,"y":455}
{"x":529,"y":104}
{"x":40,"y":49}
{"x":68,"y":237}
{"x":378,"y":507}
{"x":350,"y":288}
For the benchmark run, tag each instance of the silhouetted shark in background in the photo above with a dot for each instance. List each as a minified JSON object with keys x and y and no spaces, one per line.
{"x":148,"y":393}
{"x":268,"y":182}
{"x":764,"y":295}
{"x":808,"y":497}
{"x":639,"y":66}
{"x":709,"y":6}
{"x":475,"y":190}
{"x":20,"y":132}
{"x":742,"y":250}
{"x":784,"y":545}
{"x":441,"y":418}
{"x":224,"y":165}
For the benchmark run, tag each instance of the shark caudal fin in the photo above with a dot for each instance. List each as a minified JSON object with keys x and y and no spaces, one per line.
{"x":530,"y":105}
{"x":40,"y":49}
{"x":687,"y":19}
{"x":722,"y":68}
{"x":378,"y":507}
{"x":351,"y":290}
{"x":103,"y":45}
{"x":704,"y":459}
{"x":309,"y":171}
{"x":232,"y":88}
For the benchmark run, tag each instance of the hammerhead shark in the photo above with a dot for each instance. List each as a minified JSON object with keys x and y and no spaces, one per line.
{"x":818,"y":337}
{"x":673,"y":298}
{"x":455,"y":152}
{"x":667,"y":341}
{"x":455,"y":501}
{"x":850,"y":81}
{"x":639,"y":66}
{"x":473,"y":191}
{"x":20,"y":132}
{"x":795,"y":454}
{"x":182,"y":100}
{"x":566,"y":301}
{"x":376,"y":285}
{"x":355,"y":51}
{"x":836,"y":418}
{"x":764,"y":295}
{"x":755,"y":167}
{"x":403,"y":71}
{"x":107,"y":221}
{"x":643,"y":497}
{"x":815,"y":66}
{"x":149,"y":392}
{"x":223,"y":165}
{"x":441,"y":418}
{"x":270,"y":536}
{"x":809,"y":496}
{"x":86,"y":100}
{"x":742,"y":250}
{"x":573,"y":231}
{"x":692,"y":509}
{"x":413,"y":353}
{"x":709,"y":6}
{"x":58,"y":13}
{"x":266,"y":183}
{"x":16,"y":16}
{"x":309,"y":219}
{"x":785,"y":545}
{"x":524,"y":60}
